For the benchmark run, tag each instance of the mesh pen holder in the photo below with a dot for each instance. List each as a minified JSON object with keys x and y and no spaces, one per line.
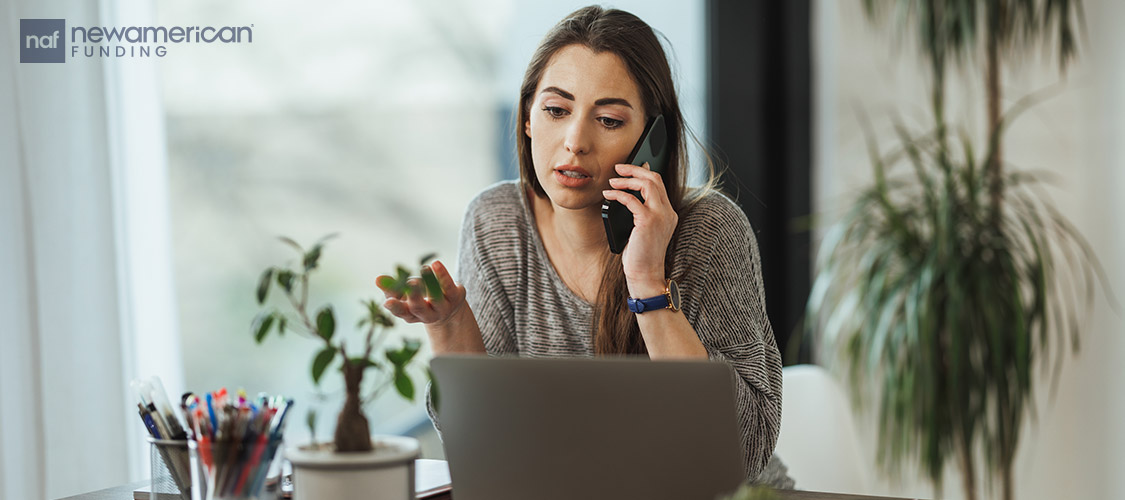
{"x":231,"y":471}
{"x":170,"y":464}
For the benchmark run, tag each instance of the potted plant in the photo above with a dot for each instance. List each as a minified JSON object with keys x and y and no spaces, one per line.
{"x":946,"y":282}
{"x":353,"y":465}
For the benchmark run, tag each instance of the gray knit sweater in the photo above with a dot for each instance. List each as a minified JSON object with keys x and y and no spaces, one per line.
{"x":524,"y":308}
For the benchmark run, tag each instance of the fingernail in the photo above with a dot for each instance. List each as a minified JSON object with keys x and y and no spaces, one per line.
{"x":437,"y":265}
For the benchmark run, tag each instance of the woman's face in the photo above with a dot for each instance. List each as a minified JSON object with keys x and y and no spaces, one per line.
{"x":586,"y":116}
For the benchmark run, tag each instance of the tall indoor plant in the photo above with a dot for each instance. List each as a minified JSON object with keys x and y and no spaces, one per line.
{"x":947,"y":281}
{"x":352,"y":446}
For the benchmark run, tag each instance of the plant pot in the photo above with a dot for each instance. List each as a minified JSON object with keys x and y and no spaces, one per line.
{"x":385,"y":473}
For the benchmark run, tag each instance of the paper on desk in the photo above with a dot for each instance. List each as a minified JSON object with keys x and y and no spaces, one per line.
{"x":431,"y":477}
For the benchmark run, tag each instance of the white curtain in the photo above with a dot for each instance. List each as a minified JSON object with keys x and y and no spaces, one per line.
{"x":85,"y":251}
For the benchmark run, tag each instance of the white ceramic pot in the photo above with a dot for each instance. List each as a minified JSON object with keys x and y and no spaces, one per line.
{"x":385,"y":473}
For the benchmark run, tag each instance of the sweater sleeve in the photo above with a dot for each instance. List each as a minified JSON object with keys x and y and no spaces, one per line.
{"x":483,"y":234}
{"x":484,"y":290}
{"x":728,"y":311}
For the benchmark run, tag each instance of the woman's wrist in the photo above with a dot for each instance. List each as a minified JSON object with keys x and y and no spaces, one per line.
{"x":643,"y":288}
{"x":457,"y":334}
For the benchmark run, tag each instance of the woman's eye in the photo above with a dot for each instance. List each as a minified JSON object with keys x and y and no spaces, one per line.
{"x":610,"y":122}
{"x":555,"y":111}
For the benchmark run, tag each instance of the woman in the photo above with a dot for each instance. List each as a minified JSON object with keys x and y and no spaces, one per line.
{"x":537,"y":275}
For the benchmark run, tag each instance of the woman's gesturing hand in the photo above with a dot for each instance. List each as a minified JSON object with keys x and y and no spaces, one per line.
{"x":418,"y":306}
{"x":449,"y":320}
{"x":654,"y":222}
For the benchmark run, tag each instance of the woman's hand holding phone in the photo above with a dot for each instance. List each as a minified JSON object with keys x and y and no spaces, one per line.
{"x":449,"y":321}
{"x":654,"y":222}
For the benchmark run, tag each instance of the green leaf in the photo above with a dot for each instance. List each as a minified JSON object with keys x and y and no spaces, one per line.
{"x":321,"y":362}
{"x":264,"y":285}
{"x":364,"y":362}
{"x":285,"y":279}
{"x":403,"y":356}
{"x":282,"y":321}
{"x":386,"y":320}
{"x":403,"y":383}
{"x":289,"y":241}
{"x":427,"y":258}
{"x":402,"y":276}
{"x":326,"y":323}
{"x":312,"y":257}
{"x":262,"y":325}
{"x":432,"y":284}
{"x":376,"y":315}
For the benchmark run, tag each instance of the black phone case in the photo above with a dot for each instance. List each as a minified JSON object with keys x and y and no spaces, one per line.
{"x":651,"y":148}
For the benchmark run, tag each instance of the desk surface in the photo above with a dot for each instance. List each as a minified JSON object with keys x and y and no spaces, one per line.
{"x":125,"y":492}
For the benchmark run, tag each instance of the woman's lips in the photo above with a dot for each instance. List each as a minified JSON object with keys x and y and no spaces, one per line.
{"x":578,"y":177}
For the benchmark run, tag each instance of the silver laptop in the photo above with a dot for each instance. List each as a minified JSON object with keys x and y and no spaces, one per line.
{"x":577,"y":428}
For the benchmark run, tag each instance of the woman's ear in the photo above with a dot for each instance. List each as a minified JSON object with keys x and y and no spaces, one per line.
{"x":527,"y":128}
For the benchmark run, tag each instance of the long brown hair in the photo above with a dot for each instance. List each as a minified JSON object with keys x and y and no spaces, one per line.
{"x":634,"y":42}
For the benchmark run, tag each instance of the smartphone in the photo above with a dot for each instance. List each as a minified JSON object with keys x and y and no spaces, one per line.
{"x":652,"y":148}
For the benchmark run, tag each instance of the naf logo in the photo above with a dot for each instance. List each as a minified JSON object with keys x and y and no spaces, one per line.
{"x":42,"y":40}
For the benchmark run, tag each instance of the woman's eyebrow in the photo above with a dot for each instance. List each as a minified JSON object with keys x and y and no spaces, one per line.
{"x":605,"y":101}
{"x":562,"y":93}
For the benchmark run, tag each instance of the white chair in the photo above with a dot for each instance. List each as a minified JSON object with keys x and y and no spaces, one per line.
{"x":818,"y":440}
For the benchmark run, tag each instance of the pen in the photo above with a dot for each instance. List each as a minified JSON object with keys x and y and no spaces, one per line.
{"x":221,"y":397}
{"x":160,"y":399}
{"x":236,"y":436}
{"x":279,"y":419}
{"x":262,"y":470}
{"x":147,"y":420}
{"x":252,"y":465}
{"x":160,"y":425}
{"x":211,"y":412}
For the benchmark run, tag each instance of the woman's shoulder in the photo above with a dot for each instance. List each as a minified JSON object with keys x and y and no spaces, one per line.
{"x":499,"y":202}
{"x":714,"y":215}
{"x":714,"y":231}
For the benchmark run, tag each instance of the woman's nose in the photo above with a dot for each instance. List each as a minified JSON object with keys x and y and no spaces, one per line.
{"x":577,"y":140}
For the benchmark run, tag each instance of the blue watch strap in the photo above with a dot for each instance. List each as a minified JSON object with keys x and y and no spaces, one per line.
{"x":650,"y":304}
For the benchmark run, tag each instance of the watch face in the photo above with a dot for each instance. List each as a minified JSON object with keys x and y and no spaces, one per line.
{"x":674,"y":294}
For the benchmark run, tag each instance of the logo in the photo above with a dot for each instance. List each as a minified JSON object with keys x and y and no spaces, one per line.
{"x":45,"y":40}
{"x":42,"y":40}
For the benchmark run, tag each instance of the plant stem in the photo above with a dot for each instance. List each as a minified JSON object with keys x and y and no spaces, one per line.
{"x":992,"y":83}
{"x":968,"y":476}
{"x":937,"y":66}
{"x":300,"y":308}
{"x":352,"y":430}
{"x":1007,"y":478}
{"x":304,"y":290}
{"x":368,"y":346}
